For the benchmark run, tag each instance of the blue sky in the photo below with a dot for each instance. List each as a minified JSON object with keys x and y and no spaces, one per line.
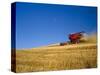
{"x":43,"y":24}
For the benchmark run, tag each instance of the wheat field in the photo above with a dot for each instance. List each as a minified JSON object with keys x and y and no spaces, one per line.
{"x":72,"y":56}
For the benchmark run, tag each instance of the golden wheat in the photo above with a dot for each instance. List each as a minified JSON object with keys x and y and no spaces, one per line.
{"x":56,"y":58}
{"x":72,"y":56}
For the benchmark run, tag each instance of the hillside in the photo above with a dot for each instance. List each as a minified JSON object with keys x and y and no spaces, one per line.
{"x":55,"y":57}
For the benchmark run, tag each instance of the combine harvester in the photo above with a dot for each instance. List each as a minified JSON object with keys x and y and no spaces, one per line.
{"x":74,"y":38}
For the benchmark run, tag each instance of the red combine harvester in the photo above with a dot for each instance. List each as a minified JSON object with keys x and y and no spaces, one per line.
{"x":75,"y":37}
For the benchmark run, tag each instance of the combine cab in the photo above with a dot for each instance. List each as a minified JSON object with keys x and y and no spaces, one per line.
{"x":75,"y":37}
